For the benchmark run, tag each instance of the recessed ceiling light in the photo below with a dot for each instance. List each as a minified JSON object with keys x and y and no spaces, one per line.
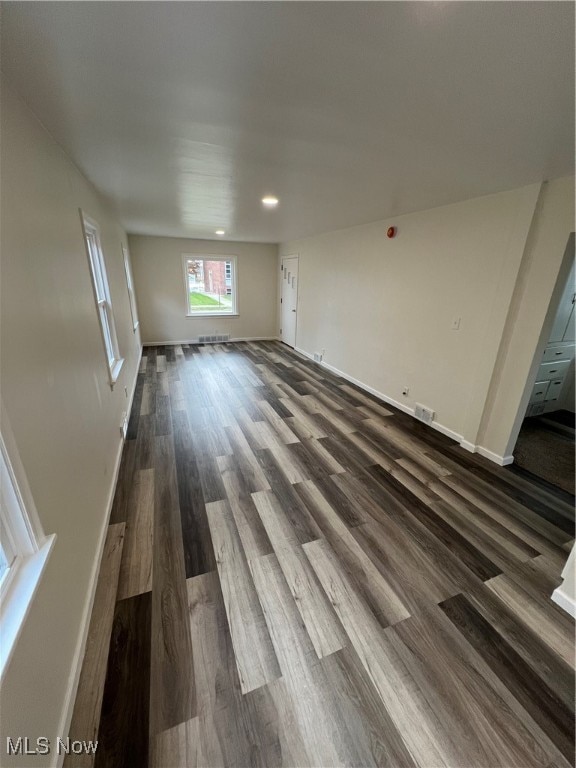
{"x":219,"y":232}
{"x":270,"y":202}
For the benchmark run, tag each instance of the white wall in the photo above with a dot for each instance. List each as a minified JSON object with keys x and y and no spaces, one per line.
{"x":64,"y":416}
{"x":382,"y":308}
{"x":565,"y":594}
{"x":159,"y":282}
{"x":541,"y":280}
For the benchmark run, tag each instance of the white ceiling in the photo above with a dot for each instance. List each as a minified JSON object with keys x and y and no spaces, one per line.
{"x":185,"y":114}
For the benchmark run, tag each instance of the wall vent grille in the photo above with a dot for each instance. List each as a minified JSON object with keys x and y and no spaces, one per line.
{"x":214,"y":338}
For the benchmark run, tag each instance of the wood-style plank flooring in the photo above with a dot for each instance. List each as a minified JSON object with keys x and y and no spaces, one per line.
{"x":298,"y":575}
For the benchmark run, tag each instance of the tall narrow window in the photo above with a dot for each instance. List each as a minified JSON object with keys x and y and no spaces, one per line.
{"x":102,"y":297}
{"x":210,"y":285}
{"x":24,"y":551}
{"x":130,"y":286}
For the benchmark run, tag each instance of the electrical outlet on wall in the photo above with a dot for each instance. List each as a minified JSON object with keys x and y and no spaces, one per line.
{"x":317,"y":357}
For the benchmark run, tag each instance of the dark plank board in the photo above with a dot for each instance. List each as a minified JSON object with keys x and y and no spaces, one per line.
{"x":547,"y":709}
{"x":172,"y":690}
{"x":123,"y":732}
{"x":196,"y":540}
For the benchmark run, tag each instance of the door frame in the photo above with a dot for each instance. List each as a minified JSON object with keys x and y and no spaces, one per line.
{"x":282,"y":259}
{"x":545,"y":331}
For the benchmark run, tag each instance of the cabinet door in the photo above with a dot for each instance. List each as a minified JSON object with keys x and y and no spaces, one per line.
{"x":563,"y":328}
{"x":569,"y":334}
{"x":565,"y":352}
{"x":539,"y":392}
{"x":556,"y":370}
{"x":554,"y":389}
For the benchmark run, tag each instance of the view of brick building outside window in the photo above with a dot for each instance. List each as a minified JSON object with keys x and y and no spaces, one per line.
{"x":210,"y":286}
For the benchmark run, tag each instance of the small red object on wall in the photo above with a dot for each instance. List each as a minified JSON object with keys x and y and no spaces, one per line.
{"x":391,"y":232}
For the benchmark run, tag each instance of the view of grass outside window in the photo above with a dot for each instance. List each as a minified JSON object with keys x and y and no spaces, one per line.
{"x":210,"y":285}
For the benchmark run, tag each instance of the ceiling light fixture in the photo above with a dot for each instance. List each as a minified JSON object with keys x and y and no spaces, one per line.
{"x":270,"y":202}
{"x":220,"y":232}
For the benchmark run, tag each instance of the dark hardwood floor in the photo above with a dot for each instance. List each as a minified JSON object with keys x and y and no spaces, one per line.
{"x":298,"y":575}
{"x":544,"y":450}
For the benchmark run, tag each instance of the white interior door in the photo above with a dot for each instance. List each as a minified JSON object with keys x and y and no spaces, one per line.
{"x":289,"y":299}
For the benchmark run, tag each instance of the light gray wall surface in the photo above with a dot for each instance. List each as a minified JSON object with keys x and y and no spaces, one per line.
{"x":161,"y":292}
{"x":55,"y":390}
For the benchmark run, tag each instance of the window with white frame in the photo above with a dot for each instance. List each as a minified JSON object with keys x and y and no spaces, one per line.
{"x":130,"y":286}
{"x":24,"y":550}
{"x":210,"y":285}
{"x":102,"y":296}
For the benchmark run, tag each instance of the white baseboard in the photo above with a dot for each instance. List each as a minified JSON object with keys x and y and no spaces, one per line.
{"x":131,"y":398}
{"x":303,"y":353}
{"x":195,"y":341}
{"x":76,"y":666}
{"x":503,"y":461}
{"x":446,"y":431}
{"x":468,"y":446}
{"x":565,"y":602}
{"x":381,"y":396}
{"x":559,"y":596}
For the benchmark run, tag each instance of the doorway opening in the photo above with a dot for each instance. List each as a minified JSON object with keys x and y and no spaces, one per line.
{"x":545,"y":445}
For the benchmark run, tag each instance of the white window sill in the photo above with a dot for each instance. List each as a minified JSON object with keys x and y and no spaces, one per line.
{"x":115,"y":371}
{"x":212,"y":314}
{"x":17,"y":598}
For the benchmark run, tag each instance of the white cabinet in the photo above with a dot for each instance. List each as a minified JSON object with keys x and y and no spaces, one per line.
{"x":550,"y":378}
{"x":539,"y":391}
{"x":563,"y":328}
{"x":553,"y":391}
{"x":557,"y":353}
{"x":556,"y":364}
{"x":554,"y":370}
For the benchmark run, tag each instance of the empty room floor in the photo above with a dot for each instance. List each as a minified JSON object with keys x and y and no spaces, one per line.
{"x":297,"y":575}
{"x":545,"y":448}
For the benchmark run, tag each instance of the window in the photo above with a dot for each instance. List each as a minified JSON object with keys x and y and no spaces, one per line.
{"x":228,"y":273}
{"x":210,"y":285}
{"x":130,"y":286}
{"x":102,"y":297}
{"x":24,"y":552}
